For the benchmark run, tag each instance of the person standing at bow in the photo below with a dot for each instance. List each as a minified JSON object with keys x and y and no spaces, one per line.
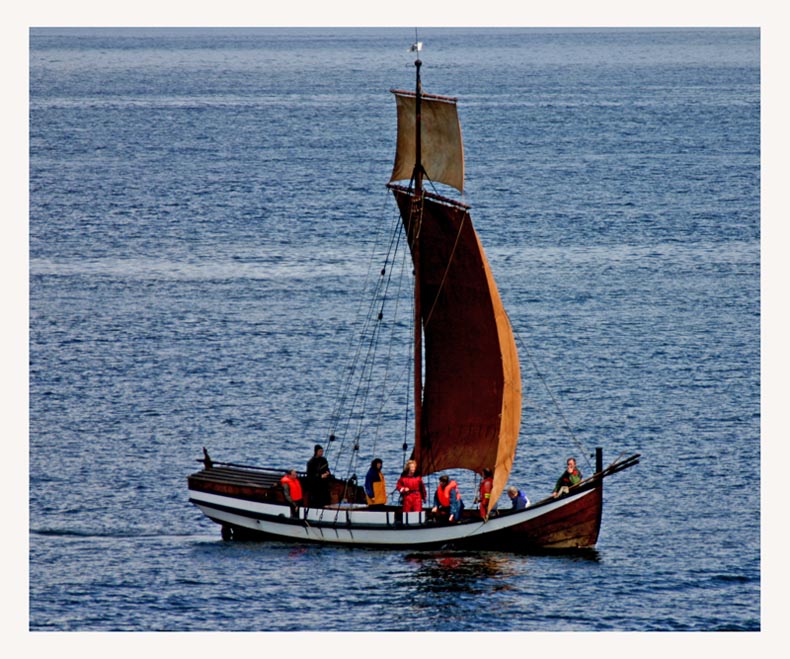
{"x":318,"y":478}
{"x":484,"y":495}
{"x":447,"y":502}
{"x":570,"y":477}
{"x":375,"y":485}
{"x":411,"y":488}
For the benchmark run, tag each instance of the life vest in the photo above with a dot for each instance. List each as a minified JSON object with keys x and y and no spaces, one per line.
{"x":294,"y":485}
{"x":485,"y":493}
{"x":444,"y":493}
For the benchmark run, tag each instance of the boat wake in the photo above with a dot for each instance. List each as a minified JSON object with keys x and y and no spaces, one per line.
{"x":71,"y":533}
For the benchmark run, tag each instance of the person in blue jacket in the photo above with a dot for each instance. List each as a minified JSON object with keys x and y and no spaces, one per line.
{"x":518,"y":498}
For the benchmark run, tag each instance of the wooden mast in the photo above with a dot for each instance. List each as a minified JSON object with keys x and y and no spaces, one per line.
{"x":416,"y":214}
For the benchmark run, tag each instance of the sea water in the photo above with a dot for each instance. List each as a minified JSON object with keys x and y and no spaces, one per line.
{"x":202,"y":204}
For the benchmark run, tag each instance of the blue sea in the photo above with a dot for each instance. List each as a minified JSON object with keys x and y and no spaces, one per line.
{"x":202,"y":209}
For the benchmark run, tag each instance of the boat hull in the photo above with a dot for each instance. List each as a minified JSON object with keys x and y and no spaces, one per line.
{"x":572,"y":523}
{"x":247,"y":511}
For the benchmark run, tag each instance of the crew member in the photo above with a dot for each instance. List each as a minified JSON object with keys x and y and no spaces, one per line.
{"x":447,"y":502}
{"x":318,"y":478}
{"x":411,"y":488}
{"x":484,"y":495}
{"x":292,"y":490}
{"x":375,"y":485}
{"x":570,"y":477}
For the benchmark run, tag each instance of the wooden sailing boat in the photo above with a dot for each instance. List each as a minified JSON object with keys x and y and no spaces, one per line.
{"x":467,"y":404}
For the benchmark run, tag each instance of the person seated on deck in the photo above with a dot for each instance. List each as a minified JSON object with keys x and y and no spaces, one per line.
{"x":517,"y":497}
{"x":447,"y":502}
{"x":292,"y":490}
{"x":570,"y":476}
{"x":375,"y":485}
{"x":318,"y":478}
{"x":411,"y":488}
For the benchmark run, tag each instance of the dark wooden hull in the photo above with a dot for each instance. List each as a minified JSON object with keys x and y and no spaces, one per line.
{"x":574,"y":525}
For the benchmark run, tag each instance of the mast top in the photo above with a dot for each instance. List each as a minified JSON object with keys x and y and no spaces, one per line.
{"x":416,"y":47}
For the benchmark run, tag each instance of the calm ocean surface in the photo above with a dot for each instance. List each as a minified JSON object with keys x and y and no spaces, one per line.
{"x":202,"y":205}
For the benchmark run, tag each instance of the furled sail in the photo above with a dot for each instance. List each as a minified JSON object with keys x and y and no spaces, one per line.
{"x":472,"y":391}
{"x":442,"y":147}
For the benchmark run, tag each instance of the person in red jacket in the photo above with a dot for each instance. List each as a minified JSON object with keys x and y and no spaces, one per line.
{"x":486,"y":485}
{"x":292,"y":490}
{"x":411,"y":488}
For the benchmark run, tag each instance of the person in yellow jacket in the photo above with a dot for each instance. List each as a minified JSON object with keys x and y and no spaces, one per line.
{"x":375,"y":485}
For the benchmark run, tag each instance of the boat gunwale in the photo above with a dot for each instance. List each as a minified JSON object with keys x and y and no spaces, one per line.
{"x":206,"y":475}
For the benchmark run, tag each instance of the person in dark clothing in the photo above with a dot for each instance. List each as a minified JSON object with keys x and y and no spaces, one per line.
{"x":318,"y":478}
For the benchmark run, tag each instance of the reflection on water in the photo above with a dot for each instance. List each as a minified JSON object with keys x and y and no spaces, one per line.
{"x":576,"y":555}
{"x":460,"y":571}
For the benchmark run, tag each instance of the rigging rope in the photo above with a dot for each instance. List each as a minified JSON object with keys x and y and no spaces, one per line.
{"x":351,"y":368}
{"x":567,"y":427}
{"x":357,"y":384}
{"x":388,"y":359}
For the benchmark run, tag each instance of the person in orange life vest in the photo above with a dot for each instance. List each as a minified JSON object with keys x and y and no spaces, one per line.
{"x":292,"y":490}
{"x":411,"y":488}
{"x":447,"y":500}
{"x":375,"y":485}
{"x":484,"y":494}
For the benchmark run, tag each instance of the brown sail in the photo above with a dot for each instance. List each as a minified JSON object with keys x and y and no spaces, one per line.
{"x":472,"y":392}
{"x":442,"y":151}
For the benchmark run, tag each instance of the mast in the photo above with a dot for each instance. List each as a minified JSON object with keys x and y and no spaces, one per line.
{"x":416,"y":214}
{"x":418,"y":135}
{"x":467,"y":385}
